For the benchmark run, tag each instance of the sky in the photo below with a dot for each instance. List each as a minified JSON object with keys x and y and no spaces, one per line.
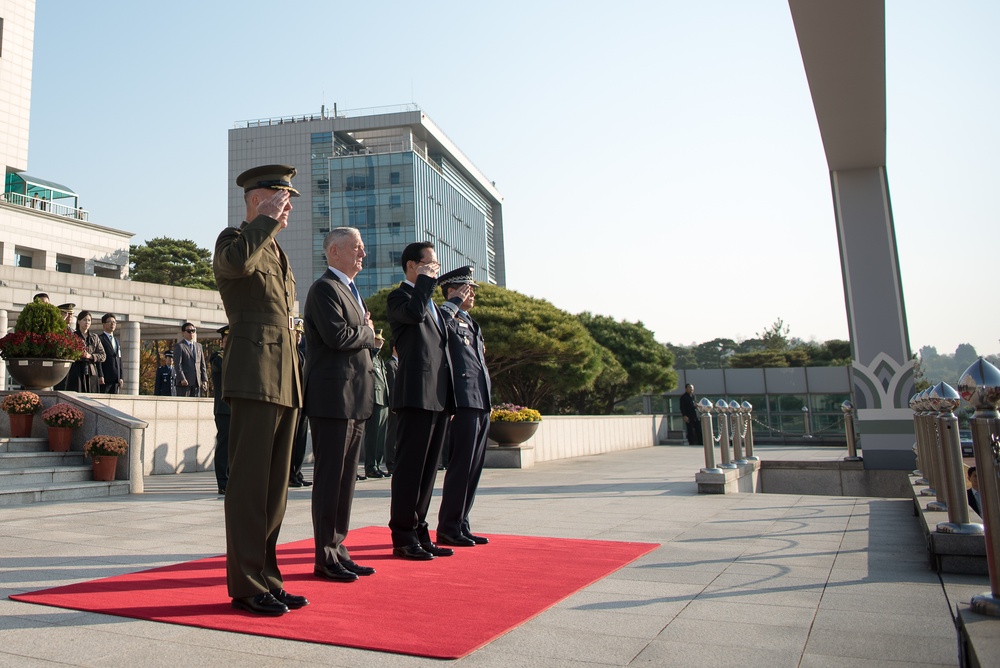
{"x":660,"y":161}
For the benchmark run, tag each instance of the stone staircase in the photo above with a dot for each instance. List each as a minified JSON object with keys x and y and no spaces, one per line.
{"x":30,"y":473}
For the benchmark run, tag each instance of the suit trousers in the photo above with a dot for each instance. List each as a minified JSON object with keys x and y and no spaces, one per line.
{"x":420,"y":435}
{"x":375,"y":432}
{"x":222,"y":449}
{"x":336,"y":450}
{"x":260,"y":447}
{"x":299,"y":448}
{"x":467,"y":436}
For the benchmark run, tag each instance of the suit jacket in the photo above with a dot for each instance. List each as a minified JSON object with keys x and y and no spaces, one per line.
{"x":220,"y":407}
{"x":339,"y":380}
{"x":111,"y":367}
{"x":467,"y":348}
{"x":258,"y":291}
{"x":424,"y":377}
{"x":973,"y":502}
{"x":687,"y":407}
{"x":190,"y":364}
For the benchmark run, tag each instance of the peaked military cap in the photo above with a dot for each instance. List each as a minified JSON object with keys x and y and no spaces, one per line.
{"x":67,"y":308}
{"x":169,"y":353}
{"x":224,"y":330}
{"x":457,"y":277}
{"x":275,"y":177}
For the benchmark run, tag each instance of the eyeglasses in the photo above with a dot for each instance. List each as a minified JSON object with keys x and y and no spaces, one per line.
{"x":190,"y":331}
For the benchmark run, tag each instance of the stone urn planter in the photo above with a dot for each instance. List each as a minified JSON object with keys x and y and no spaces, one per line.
{"x":37,"y":373}
{"x":512,"y":434}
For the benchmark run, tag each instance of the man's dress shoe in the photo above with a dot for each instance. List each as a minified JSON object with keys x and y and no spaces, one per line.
{"x":373,"y":473}
{"x":291,"y":601}
{"x":362,"y":477}
{"x":454,"y":540}
{"x":261,"y":604}
{"x":414,"y":552}
{"x":335,"y":572}
{"x":385,"y":474}
{"x":222,"y":491}
{"x":357,"y":569}
{"x":437,"y":551}
{"x":478,"y":540}
{"x":294,"y":482}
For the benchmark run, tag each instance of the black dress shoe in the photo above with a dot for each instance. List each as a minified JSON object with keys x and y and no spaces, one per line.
{"x":295,"y":483}
{"x":291,"y":601}
{"x":437,"y":551}
{"x":222,"y":491}
{"x":362,"y":477}
{"x":385,"y":474}
{"x":357,"y":569}
{"x":335,"y":572}
{"x":261,"y":604}
{"x":454,"y":540}
{"x":373,"y":473}
{"x":414,"y":552}
{"x":306,"y":483}
{"x":478,"y":540}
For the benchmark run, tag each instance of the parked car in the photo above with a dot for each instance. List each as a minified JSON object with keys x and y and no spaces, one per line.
{"x":966,"y":436}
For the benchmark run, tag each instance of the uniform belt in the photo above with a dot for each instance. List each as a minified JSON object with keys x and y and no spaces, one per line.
{"x":263,"y":319}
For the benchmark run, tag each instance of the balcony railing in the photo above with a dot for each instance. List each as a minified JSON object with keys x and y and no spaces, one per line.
{"x":47,"y":206}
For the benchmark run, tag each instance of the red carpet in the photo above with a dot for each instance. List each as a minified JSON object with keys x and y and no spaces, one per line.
{"x":444,"y":609}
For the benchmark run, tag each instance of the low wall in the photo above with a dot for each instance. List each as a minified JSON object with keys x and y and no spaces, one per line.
{"x":565,"y":436}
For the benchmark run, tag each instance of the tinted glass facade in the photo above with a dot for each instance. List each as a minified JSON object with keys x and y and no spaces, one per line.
{"x":395,"y":198}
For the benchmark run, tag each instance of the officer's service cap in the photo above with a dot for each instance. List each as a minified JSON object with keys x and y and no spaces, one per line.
{"x":275,"y":177}
{"x":66,"y":308}
{"x":224,"y":330}
{"x":462,"y":275}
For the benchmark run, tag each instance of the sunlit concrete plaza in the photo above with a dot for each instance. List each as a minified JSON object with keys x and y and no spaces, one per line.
{"x":739,"y":580}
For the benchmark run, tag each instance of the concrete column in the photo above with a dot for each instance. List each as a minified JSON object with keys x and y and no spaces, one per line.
{"x":129,"y":332}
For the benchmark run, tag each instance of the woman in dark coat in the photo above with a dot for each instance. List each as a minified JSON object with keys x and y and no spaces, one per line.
{"x":83,"y":374}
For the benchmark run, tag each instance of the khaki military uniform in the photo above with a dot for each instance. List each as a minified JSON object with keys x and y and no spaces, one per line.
{"x":262,"y":385}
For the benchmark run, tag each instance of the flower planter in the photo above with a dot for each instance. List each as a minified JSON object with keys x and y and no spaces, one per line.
{"x":511,"y":434}
{"x":37,"y":373}
{"x":104,"y":467}
{"x":60,"y":438}
{"x":20,"y":425}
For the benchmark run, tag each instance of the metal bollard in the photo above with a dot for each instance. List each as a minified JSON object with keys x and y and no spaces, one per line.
{"x":940,"y":503}
{"x":737,"y":426}
{"x":852,"y":438}
{"x":918,"y":445}
{"x":805,"y":422}
{"x":927,"y":436}
{"x":704,"y":408}
{"x":748,"y":439}
{"x":945,"y":399}
{"x":722,"y":408}
{"x":980,"y":386}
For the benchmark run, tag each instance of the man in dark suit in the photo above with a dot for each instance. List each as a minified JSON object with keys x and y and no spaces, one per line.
{"x":471,"y":424}
{"x":375,"y":430}
{"x":222,"y":414}
{"x":422,"y":401}
{"x":262,"y":384}
{"x":972,"y":493}
{"x":692,"y":423}
{"x":110,"y":372}
{"x":338,"y":397}
{"x":391,"y":369}
{"x":190,"y":366}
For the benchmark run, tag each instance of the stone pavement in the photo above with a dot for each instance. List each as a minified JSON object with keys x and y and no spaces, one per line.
{"x":740,"y":580}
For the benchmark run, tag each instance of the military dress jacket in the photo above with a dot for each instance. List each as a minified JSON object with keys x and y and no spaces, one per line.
{"x":258,"y":291}
{"x":468,"y":358}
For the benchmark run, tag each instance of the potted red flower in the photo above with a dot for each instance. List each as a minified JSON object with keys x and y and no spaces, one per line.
{"x":62,"y":419}
{"x":21,"y":408}
{"x":104,"y":451}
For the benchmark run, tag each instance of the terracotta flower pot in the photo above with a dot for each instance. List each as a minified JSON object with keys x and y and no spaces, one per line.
{"x":104,"y":467}
{"x":20,"y":425}
{"x":60,"y":438}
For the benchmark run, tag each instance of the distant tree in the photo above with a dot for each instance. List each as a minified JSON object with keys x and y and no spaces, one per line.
{"x":168,"y":261}
{"x":535,"y":352}
{"x":965,"y":354}
{"x":602,"y":397}
{"x":775,"y":337}
{"x":714,"y":354}
{"x":684,"y":357}
{"x":762,"y":359}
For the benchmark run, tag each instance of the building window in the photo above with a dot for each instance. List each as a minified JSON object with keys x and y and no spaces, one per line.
{"x":23,"y":261}
{"x":394,"y":229}
{"x":395,"y":201}
{"x":394,"y":178}
{"x":64,"y":267}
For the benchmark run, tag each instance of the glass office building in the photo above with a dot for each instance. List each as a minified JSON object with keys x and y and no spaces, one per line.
{"x":393,"y":175}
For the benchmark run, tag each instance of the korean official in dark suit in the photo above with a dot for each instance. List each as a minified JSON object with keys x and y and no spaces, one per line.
{"x":421,"y":399}
{"x":339,"y":391}
{"x":471,"y":423}
{"x":110,"y":376}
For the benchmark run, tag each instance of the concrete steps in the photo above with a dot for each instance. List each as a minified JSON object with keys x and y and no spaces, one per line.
{"x":30,"y":473}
